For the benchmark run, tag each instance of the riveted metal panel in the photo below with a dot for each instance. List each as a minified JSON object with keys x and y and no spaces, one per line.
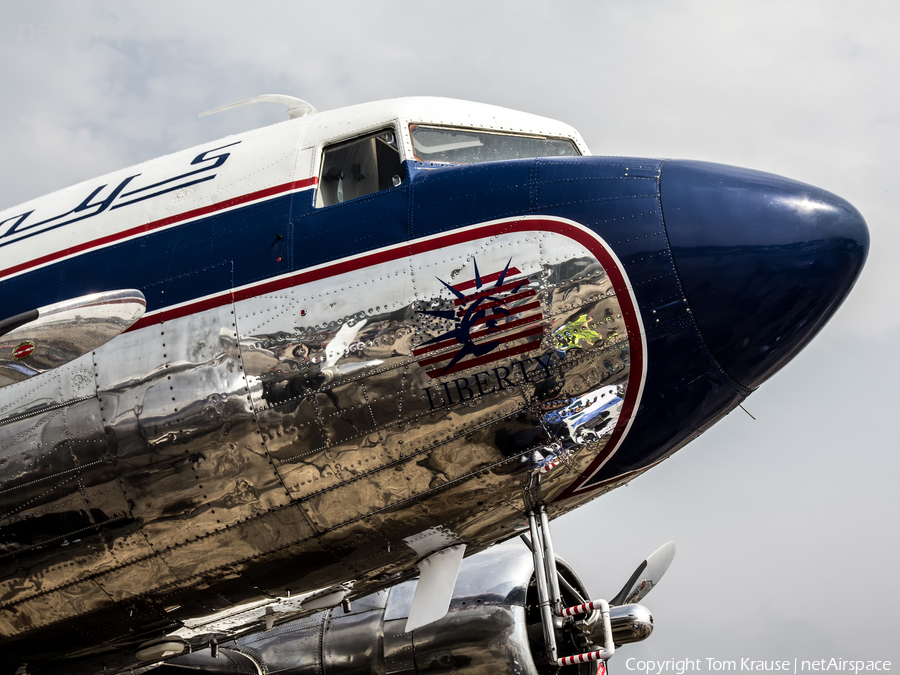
{"x":488,"y":640}
{"x":345,"y":413}
{"x":362,"y":547}
{"x":353,"y":643}
{"x":61,"y":502}
{"x":135,"y":577}
{"x":295,"y":648}
{"x":398,"y":649}
{"x":202,"y":463}
{"x":71,"y":381}
{"x":294,"y":568}
{"x":240,"y":542}
{"x":293,"y":430}
{"x":43,"y":610}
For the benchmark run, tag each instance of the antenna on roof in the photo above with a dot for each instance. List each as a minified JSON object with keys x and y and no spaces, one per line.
{"x":297,"y":107}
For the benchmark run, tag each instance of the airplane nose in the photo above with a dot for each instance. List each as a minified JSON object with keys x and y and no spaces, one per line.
{"x":764,"y":261}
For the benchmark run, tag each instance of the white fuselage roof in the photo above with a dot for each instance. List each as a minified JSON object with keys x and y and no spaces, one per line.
{"x":276,"y":158}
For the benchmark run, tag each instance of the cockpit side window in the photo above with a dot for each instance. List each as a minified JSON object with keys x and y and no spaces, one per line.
{"x":472,"y":146}
{"x":358,"y":167}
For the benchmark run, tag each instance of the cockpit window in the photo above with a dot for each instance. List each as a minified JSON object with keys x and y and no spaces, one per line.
{"x":359,"y":167}
{"x":470,"y":146}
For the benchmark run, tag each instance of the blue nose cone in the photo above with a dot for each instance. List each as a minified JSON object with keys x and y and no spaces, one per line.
{"x":764,"y":261}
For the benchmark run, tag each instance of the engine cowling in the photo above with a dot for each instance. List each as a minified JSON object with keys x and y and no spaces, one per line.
{"x":492,"y":626}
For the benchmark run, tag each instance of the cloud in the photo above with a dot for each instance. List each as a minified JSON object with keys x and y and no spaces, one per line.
{"x":777,"y":521}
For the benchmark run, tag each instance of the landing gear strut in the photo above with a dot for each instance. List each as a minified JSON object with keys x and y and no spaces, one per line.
{"x":551,"y":604}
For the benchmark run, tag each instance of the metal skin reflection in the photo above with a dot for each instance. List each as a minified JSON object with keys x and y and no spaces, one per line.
{"x":316,"y":442}
{"x":490,"y":628}
{"x":290,"y":428}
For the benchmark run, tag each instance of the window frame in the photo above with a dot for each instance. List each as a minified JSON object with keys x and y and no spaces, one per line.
{"x":357,"y":134}
{"x":410,"y":127}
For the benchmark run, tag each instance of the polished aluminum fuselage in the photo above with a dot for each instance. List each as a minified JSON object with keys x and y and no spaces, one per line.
{"x":230,"y":448}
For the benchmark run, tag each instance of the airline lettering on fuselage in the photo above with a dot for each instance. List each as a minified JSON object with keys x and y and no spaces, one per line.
{"x":123,"y":194}
{"x":498,"y":319}
{"x":490,"y":381}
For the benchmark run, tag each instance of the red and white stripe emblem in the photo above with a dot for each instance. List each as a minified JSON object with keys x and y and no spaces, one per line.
{"x":488,"y":325}
{"x":24,"y":350}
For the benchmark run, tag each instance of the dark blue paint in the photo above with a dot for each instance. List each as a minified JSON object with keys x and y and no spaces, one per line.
{"x":483,"y":192}
{"x":764,"y":261}
{"x":342,"y":230}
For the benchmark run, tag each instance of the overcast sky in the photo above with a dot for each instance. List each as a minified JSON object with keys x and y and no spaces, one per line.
{"x":787,"y":526}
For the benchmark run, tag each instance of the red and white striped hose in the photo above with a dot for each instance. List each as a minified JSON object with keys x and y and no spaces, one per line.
{"x":603,"y":655}
{"x":580,"y":658}
{"x":582,"y":609}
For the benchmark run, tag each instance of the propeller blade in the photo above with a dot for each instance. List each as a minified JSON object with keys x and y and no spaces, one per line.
{"x":646,"y":576}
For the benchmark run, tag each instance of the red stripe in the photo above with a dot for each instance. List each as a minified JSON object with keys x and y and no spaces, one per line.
{"x":184,"y":310}
{"x":324,"y":272}
{"x":475,"y":336}
{"x":483,"y":292}
{"x":465,"y":285}
{"x":298,"y":279}
{"x":163,"y":222}
{"x":446,"y":356}
{"x":513,"y":311}
{"x":433,"y":347}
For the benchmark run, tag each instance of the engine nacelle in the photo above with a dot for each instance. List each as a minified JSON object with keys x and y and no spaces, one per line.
{"x":493,"y":626}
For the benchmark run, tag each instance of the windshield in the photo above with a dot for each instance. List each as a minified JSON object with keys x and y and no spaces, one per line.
{"x":471,"y":146}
